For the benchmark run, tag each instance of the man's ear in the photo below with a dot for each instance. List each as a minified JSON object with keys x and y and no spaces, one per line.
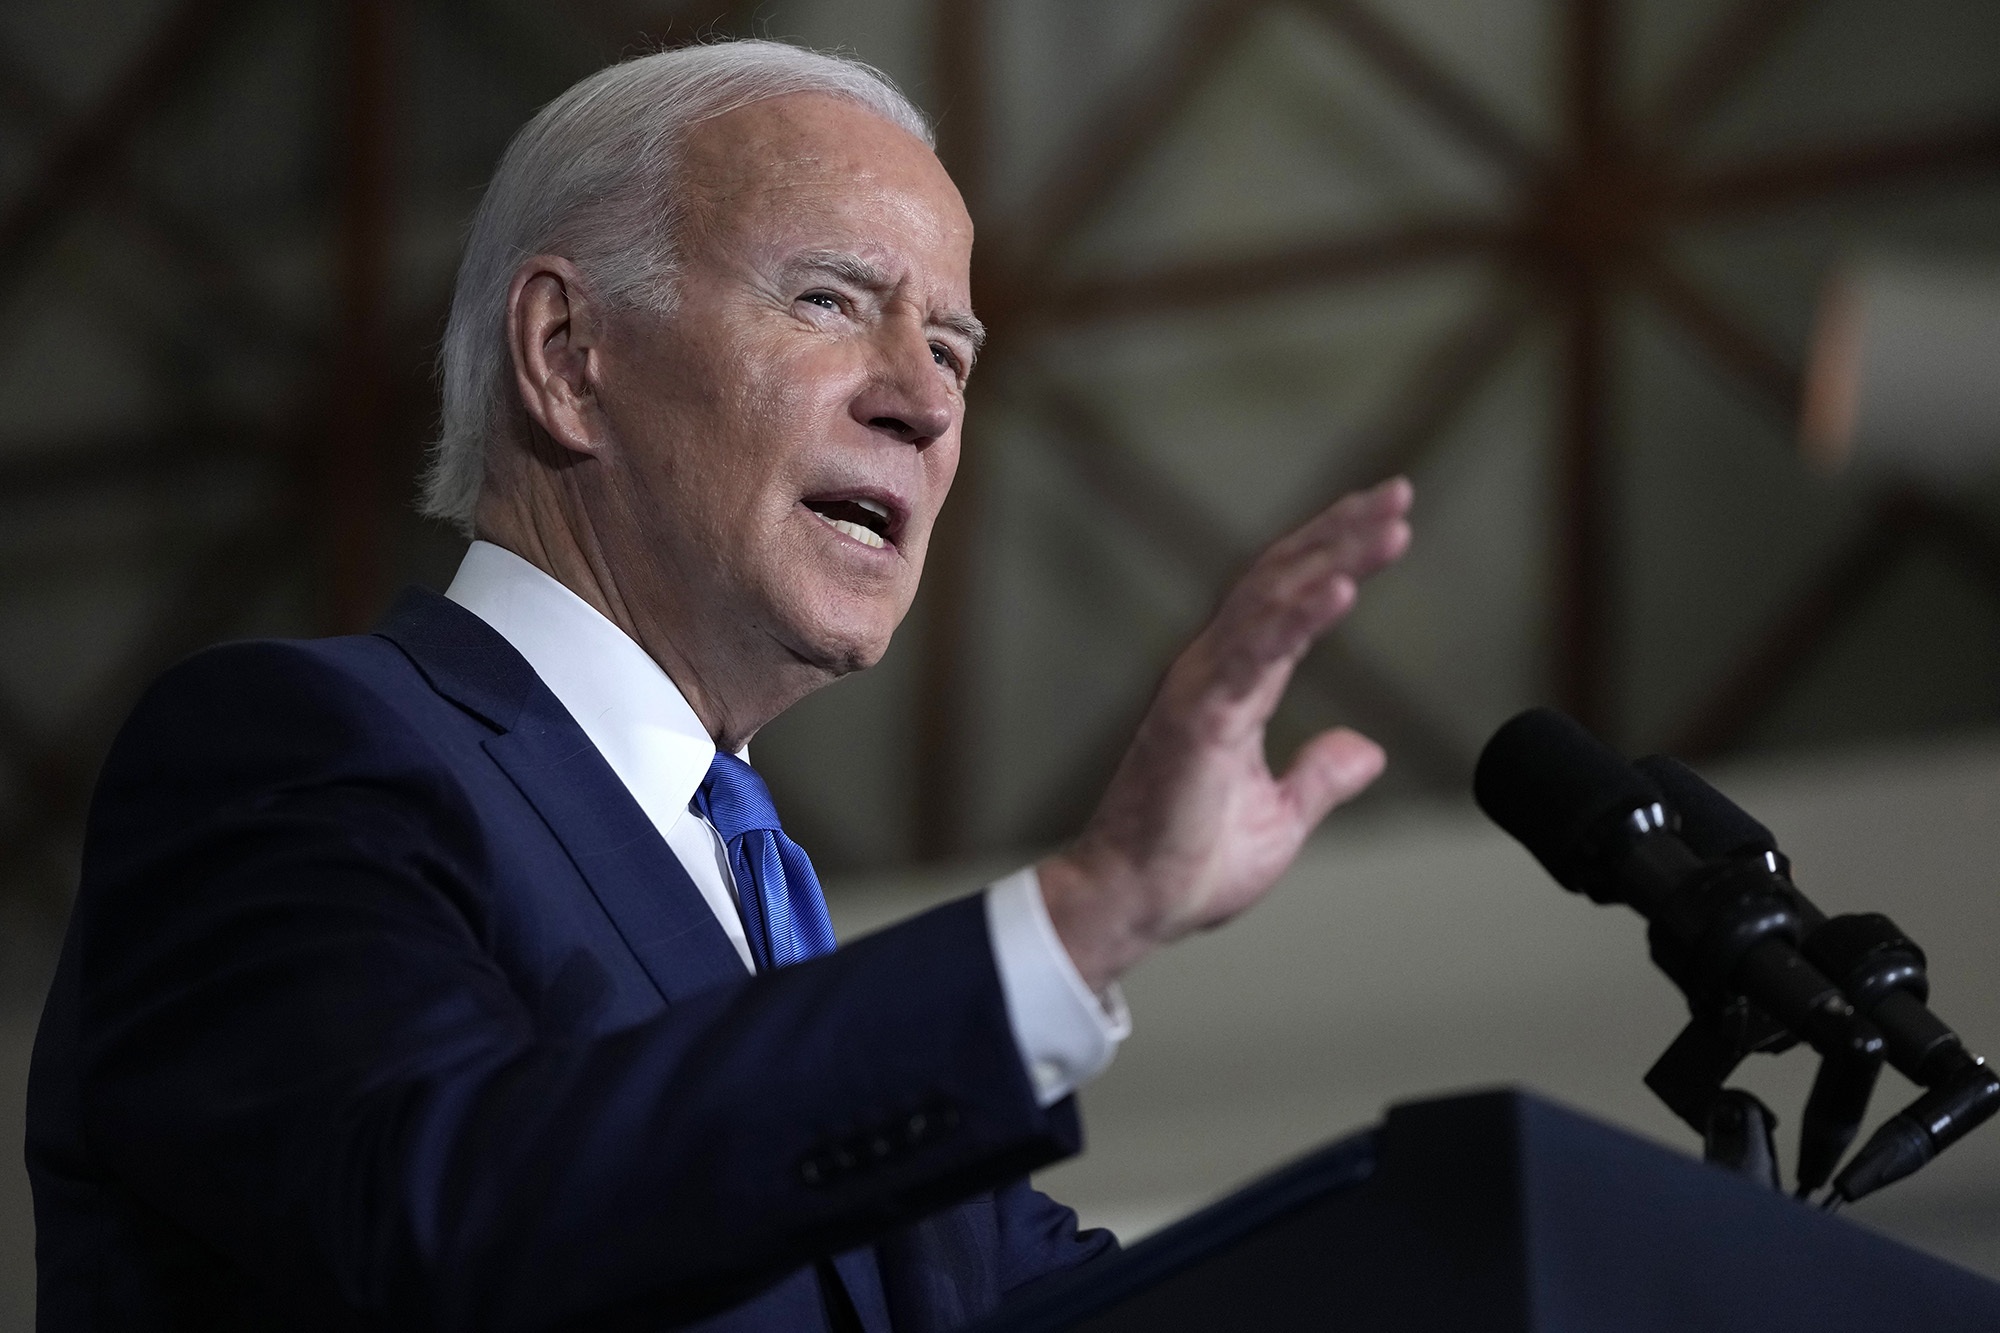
{"x":552,"y":335}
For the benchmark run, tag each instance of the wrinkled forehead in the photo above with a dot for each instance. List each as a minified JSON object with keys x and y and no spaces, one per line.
{"x":811,"y":162}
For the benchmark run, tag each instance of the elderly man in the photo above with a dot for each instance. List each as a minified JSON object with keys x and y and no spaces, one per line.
{"x":461,"y":975}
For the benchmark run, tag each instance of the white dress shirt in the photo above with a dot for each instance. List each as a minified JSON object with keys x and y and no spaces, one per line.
{"x":641,"y":723}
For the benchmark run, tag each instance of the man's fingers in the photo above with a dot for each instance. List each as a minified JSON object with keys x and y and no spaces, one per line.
{"x":1332,"y":768}
{"x":1307,"y":580}
{"x":1315,"y":599}
{"x":1303,"y":584}
{"x":1375,"y":531}
{"x":1258,"y":647}
{"x":1365,"y":530}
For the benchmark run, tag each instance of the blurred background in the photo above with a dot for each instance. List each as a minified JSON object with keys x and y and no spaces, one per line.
{"x":1558,"y":260}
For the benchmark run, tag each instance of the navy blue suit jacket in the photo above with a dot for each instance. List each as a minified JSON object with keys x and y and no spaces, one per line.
{"x":384,"y":1004}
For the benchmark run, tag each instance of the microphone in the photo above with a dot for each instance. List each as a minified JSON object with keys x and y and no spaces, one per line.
{"x":1883,"y":974}
{"x":1603,"y":829}
{"x":1715,"y":826}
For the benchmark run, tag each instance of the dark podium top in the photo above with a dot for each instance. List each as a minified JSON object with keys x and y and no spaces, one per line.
{"x":1502,"y":1212}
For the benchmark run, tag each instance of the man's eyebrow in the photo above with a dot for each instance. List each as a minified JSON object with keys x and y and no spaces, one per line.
{"x":966,"y":325}
{"x":854,"y":269}
{"x":845,"y":266}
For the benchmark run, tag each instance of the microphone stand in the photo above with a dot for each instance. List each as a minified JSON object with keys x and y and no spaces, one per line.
{"x":1883,"y":973}
{"x":1728,"y":1026}
{"x":1735,"y":1127}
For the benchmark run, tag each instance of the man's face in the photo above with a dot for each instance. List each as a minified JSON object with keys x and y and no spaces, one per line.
{"x":783,"y":441}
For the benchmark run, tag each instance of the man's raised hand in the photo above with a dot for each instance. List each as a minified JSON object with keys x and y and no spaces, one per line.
{"x":1194,"y":826}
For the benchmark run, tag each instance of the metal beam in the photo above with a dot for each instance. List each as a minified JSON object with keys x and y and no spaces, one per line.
{"x":1584,"y":631}
{"x":1803,"y":176}
{"x":1725,"y":56}
{"x":1770,"y":375}
{"x":1585,"y":552}
{"x":1096,"y":164}
{"x":78,"y":157}
{"x":1448,"y":98}
{"x":960,"y":99}
{"x":353,"y":453}
{"x":164,"y":225}
{"x":1436,"y":393}
{"x":1196,"y":285}
{"x":947,"y":679}
{"x":947,"y":675}
{"x":1590,"y":62}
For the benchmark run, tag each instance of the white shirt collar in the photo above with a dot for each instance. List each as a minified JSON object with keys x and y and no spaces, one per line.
{"x":629,"y":708}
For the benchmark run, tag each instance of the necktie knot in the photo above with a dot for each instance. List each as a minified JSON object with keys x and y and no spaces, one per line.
{"x":735,"y":800}
{"x":783,"y":912}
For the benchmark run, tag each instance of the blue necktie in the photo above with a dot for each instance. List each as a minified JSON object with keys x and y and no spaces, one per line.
{"x":780,"y":894}
{"x":785,"y":912}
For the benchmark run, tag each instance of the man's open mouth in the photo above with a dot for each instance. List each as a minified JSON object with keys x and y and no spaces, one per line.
{"x":864,"y":520}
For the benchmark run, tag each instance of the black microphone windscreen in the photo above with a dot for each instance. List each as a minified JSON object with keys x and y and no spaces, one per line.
{"x":1712,"y":824}
{"x":1547,"y":781}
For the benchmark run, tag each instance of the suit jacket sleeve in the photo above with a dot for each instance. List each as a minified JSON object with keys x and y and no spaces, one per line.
{"x":293,"y":1041}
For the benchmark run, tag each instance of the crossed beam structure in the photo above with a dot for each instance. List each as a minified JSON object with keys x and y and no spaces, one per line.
{"x":1588,"y":234}
{"x":1597,"y":206}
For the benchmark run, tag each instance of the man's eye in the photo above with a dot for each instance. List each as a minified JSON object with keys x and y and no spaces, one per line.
{"x":945,"y":357}
{"x":825,"y":300}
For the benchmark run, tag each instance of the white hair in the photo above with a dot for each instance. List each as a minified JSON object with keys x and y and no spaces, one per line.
{"x":594,"y":178}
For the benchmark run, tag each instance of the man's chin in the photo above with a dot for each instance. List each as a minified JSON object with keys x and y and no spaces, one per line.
{"x":837,"y":660}
{"x":837,"y":651}
{"x":841,"y":632}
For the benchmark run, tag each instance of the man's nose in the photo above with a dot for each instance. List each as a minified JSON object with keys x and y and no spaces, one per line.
{"x":909,"y":397}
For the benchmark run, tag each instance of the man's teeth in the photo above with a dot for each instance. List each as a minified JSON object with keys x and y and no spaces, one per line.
{"x":854,"y":530}
{"x":879,"y":511}
{"x":859,"y":533}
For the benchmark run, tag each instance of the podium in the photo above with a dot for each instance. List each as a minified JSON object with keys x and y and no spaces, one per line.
{"x":1503,"y":1213}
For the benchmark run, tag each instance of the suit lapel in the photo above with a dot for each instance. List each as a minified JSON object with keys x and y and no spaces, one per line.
{"x":631,"y":871}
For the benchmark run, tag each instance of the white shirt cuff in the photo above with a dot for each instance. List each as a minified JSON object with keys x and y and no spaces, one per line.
{"x":1066,"y":1035}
